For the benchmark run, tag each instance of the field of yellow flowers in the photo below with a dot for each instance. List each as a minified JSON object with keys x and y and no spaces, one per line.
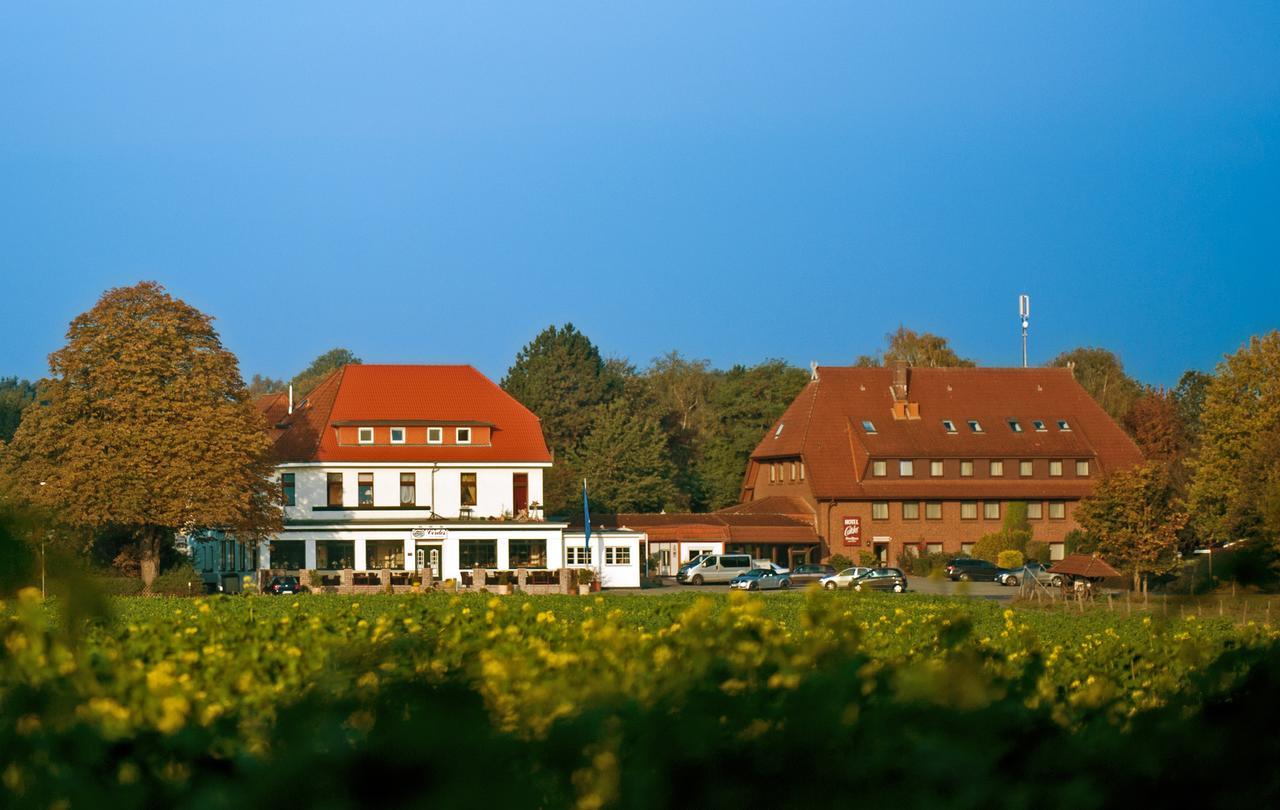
{"x":620,"y":701}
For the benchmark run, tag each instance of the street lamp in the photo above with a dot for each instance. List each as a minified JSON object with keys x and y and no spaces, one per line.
{"x":43,"y":595}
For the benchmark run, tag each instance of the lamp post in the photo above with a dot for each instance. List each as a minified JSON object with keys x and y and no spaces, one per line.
{"x":43,"y":540}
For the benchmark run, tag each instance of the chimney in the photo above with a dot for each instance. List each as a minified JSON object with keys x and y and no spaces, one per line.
{"x":813,"y":370}
{"x":902,"y":407}
{"x":291,"y":399}
{"x":899,"y":388}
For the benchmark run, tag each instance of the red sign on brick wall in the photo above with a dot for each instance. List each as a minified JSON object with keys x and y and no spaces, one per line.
{"x":853,"y":531}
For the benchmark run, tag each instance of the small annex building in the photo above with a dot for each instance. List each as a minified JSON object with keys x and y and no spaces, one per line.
{"x":915,"y":460}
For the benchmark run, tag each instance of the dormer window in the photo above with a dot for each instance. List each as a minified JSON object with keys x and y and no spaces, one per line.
{"x":868,"y":426}
{"x":397,"y":435}
{"x":948,"y":426}
{"x":365,"y":435}
{"x":464,"y":436}
{"x":1015,"y":426}
{"x":435,"y":435}
{"x":1038,"y":425}
{"x":1063,"y":425}
{"x":975,"y":426}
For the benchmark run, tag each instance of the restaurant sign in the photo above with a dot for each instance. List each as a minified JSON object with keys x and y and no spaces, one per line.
{"x":430,"y":534}
{"x":853,"y":531}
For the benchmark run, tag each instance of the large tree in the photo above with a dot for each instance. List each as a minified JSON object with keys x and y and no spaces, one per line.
{"x":1134,"y":517}
{"x":1101,"y":373}
{"x":1238,"y":456}
{"x":680,"y":390}
{"x":1189,"y":394}
{"x":919,"y":349}
{"x":145,"y":423}
{"x":1154,"y":420}
{"x":624,"y":460}
{"x":15,"y":396}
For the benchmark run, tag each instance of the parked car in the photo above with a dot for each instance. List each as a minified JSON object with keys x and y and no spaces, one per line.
{"x":881,"y":579}
{"x":760,"y":579}
{"x":965,"y":569}
{"x":1015,"y":576}
{"x":715,"y":568}
{"x":280,"y":586}
{"x":772,"y":566}
{"x":843,"y":579}
{"x":810,"y":572}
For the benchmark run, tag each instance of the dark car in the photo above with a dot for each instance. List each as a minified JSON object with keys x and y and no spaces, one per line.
{"x":810,"y":572}
{"x":881,"y":579}
{"x":965,"y":569}
{"x":280,"y":586}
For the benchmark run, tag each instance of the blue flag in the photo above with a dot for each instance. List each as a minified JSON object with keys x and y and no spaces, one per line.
{"x":586,"y":515}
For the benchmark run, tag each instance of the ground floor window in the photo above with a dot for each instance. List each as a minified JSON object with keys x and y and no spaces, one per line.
{"x":381,"y":554}
{"x":1057,"y":551}
{"x":477,"y":554}
{"x":578,"y":555}
{"x":334,"y":555}
{"x":694,"y":553}
{"x":966,"y":549}
{"x":291,"y":555}
{"x":527,"y":554}
{"x":617,"y":555}
{"x":934,"y":548}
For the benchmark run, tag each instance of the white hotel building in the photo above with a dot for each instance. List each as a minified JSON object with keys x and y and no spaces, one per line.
{"x":401,"y":468}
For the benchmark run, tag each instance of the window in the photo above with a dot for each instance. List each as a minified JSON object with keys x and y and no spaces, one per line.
{"x":910,"y":510}
{"x":991,"y":510}
{"x":365,"y":435}
{"x":577,"y":555}
{"x":1055,"y":468}
{"x":948,"y":426}
{"x":868,"y":426}
{"x":408,"y":489}
{"x":968,"y":510}
{"x":1026,"y":468}
{"x":997,"y":469}
{"x":793,"y":471}
{"x":933,"y":548}
{"x":906,"y":468}
{"x":287,"y":489}
{"x":397,"y":435}
{"x":879,"y":469}
{"x":966,"y":469}
{"x":933,"y":510}
{"x":966,"y":549}
{"x":1063,"y":425}
{"x":975,"y":426}
{"x":880,"y":510}
{"x":464,"y":435}
{"x":379,"y":554}
{"x":773,"y":473}
{"x":935,"y":469}
{"x":1057,"y":510}
{"x":1015,"y":426}
{"x":527,"y":554}
{"x":802,"y":471}
{"x":435,"y":435}
{"x":290,"y":555}
{"x":477,"y":554}
{"x":334,"y":489}
{"x":334,"y":555}
{"x":1038,"y":424}
{"x":617,"y":555}
{"x":468,"y":489}
{"x":1082,"y":468}
{"x":1035,"y":510}
{"x":365,"y":489}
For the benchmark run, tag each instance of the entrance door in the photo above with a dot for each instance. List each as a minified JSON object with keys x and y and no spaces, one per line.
{"x":882,"y":553}
{"x":519,"y":493}
{"x":430,"y":556}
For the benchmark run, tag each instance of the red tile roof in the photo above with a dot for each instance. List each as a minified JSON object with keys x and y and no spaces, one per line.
{"x":447,"y":395}
{"x":724,"y":526}
{"x":823,"y":425}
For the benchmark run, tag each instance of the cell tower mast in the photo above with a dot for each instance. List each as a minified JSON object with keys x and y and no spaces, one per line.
{"x":1024,"y":312}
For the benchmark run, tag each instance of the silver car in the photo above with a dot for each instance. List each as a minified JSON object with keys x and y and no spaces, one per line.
{"x":761,"y":579}
{"x":843,"y":579}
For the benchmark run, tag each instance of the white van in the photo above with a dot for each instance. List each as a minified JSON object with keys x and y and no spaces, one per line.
{"x":715,"y":568}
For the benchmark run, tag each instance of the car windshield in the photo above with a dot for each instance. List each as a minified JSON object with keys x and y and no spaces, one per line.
{"x":849,"y":572}
{"x":756,"y":572}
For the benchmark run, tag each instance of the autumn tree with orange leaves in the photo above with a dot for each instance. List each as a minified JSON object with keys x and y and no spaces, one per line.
{"x":1135,"y":517}
{"x":145,"y":423}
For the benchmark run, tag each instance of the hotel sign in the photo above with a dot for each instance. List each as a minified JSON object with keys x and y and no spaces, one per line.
{"x":853,"y":531}
{"x":430,"y":534}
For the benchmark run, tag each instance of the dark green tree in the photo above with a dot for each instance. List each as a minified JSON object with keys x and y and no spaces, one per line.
{"x":15,"y":396}
{"x":1101,"y":373}
{"x":918,"y":349}
{"x":260,"y":385}
{"x":624,"y":459}
{"x":321,"y":367}
{"x":1189,"y":394}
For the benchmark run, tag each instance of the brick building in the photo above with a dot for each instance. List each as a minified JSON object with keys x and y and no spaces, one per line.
{"x":930,"y":458}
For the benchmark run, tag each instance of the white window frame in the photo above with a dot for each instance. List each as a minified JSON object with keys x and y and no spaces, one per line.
{"x":403,"y":435}
{"x":996,"y":468}
{"x":1039,"y":425}
{"x":435,"y":435}
{"x":617,"y":555}
{"x":1015,"y":426}
{"x":1055,"y":468}
{"x":360,"y":435}
{"x":975,"y":426}
{"x":457,"y":435}
{"x":1064,"y":425}
{"x":574,"y":554}
{"x":906,"y":468}
{"x":949,"y":426}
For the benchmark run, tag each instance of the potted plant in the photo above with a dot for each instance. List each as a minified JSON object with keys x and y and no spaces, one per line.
{"x":585,"y":577}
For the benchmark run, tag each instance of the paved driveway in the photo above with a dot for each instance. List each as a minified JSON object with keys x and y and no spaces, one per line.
{"x":924,"y":585}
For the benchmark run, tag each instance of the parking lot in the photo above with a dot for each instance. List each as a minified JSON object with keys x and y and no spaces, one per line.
{"x":924,"y":585}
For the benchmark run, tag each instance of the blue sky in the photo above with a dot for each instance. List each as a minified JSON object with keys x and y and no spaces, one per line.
{"x":424,"y":182}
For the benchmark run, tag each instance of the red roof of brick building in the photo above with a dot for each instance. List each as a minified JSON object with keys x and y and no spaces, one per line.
{"x":386,"y":394}
{"x":824,"y":427}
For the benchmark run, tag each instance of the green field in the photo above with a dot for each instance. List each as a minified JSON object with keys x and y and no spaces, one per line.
{"x":623,"y":701}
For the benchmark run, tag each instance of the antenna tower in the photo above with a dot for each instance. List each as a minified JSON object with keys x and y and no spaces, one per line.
{"x":1024,"y":312}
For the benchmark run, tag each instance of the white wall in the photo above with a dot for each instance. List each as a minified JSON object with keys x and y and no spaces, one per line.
{"x":495,"y":488}
{"x":612,"y":576}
